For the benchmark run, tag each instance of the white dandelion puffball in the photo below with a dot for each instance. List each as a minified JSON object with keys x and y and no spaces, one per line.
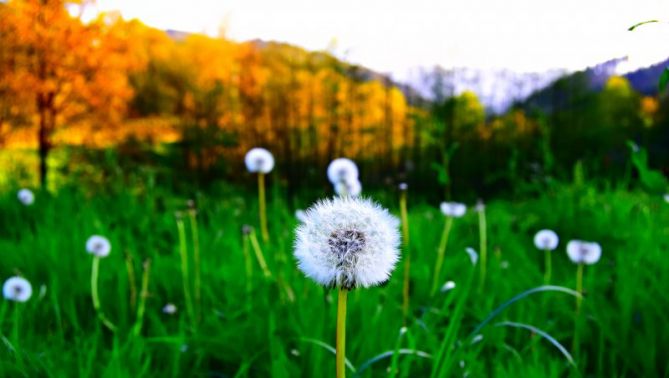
{"x":301,"y":215}
{"x":583,"y":252}
{"x":17,"y":289}
{"x":351,"y":188}
{"x":449,"y":285}
{"x":403,"y":186}
{"x":342,"y":170}
{"x":348,"y":242}
{"x":170,"y":309}
{"x":98,"y":246}
{"x":666,"y":198}
{"x":259,"y":160}
{"x":26,"y":197}
{"x":546,"y":240}
{"x":453,"y":209}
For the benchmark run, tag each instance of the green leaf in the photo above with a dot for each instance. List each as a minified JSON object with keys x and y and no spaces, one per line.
{"x":664,"y":80}
{"x":641,"y":23}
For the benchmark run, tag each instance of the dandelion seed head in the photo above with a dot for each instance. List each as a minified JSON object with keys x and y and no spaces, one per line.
{"x":348,"y":242}
{"x":259,"y":160}
{"x":403,"y":186}
{"x":449,"y":285}
{"x":473,"y":256}
{"x":17,"y":289}
{"x":98,"y":246}
{"x":480,"y":206}
{"x":342,"y":170}
{"x":170,"y":309}
{"x":546,"y":240}
{"x":584,"y":252}
{"x":453,"y":209}
{"x":26,"y":197}
{"x":666,"y":198}
{"x":246,"y":229}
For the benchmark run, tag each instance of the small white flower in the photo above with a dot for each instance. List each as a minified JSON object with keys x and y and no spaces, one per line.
{"x":666,"y":197}
{"x":170,"y":309}
{"x":26,"y":197}
{"x":453,"y":209}
{"x":259,"y":160}
{"x":17,"y":289}
{"x":583,"y":252}
{"x":473,"y":256}
{"x":449,"y":285}
{"x":300,"y":215}
{"x":546,"y":240}
{"x":98,"y":245}
{"x":403,"y":186}
{"x":351,"y":188}
{"x":342,"y":170}
{"x":348,"y":242}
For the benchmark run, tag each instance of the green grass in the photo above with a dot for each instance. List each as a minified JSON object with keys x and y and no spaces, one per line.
{"x":262,"y":333}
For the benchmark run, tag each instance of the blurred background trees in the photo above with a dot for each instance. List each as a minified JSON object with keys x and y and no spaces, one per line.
{"x":185,"y":105}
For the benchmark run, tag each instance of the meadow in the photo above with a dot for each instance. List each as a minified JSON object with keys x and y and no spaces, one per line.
{"x":244,"y":323}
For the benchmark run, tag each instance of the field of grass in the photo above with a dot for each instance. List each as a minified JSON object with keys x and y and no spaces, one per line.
{"x":247,"y":325}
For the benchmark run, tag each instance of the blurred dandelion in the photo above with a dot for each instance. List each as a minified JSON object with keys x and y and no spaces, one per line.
{"x":547,"y":241}
{"x":473,"y":256}
{"x":351,"y":188}
{"x":26,"y":197}
{"x":666,"y":198}
{"x":17,"y":289}
{"x":347,"y":243}
{"x":99,"y":247}
{"x":449,"y":285}
{"x":451,"y":210}
{"x":581,"y":253}
{"x":260,"y":161}
{"x":170,"y":309}
{"x":342,"y":170}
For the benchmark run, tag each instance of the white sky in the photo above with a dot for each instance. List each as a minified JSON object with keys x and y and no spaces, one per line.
{"x":397,"y":36}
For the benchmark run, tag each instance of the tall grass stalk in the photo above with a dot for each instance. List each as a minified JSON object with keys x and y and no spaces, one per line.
{"x":132,"y":284}
{"x":185,"y":275}
{"x":448,"y":225}
{"x":192,"y":215}
{"x":248,"y":267}
{"x":95,"y":272}
{"x":262,"y":207}
{"x":341,"y":333}
{"x":407,"y":255}
{"x":137,"y":328}
{"x":483,"y":246}
{"x":548,"y":267}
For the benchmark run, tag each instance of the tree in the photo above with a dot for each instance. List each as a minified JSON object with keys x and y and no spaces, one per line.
{"x":72,"y":72}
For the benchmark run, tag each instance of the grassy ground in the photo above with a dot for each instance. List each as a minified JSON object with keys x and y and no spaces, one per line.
{"x":253,"y":326}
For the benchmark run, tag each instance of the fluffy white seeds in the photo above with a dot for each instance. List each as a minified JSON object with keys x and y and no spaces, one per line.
{"x":170,"y":309}
{"x":583,"y":252}
{"x":259,"y":160}
{"x":17,"y":289}
{"x":348,"y":242}
{"x":449,"y":285}
{"x":403,"y":186}
{"x":342,"y":170}
{"x":546,"y":240}
{"x":98,"y":246}
{"x":26,"y":197}
{"x":453,"y":209}
{"x":351,"y":188}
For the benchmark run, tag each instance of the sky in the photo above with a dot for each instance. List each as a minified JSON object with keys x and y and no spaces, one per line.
{"x":397,"y":37}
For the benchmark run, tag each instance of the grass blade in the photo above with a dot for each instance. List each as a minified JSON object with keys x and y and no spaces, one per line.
{"x":543,"y":334}
{"x":365,"y":365}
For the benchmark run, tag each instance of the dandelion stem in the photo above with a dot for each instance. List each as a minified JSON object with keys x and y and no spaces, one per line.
{"x":579,"y":287}
{"x":440,"y":253}
{"x":341,"y":333}
{"x":183,"y":252}
{"x":548,"y":266}
{"x":249,"y":269}
{"x":483,"y":246}
{"x":259,"y":255}
{"x":196,"y":260}
{"x":95,"y":271}
{"x":142,"y":298}
{"x":262,"y":207}
{"x":407,"y":254}
{"x":131,"y":280}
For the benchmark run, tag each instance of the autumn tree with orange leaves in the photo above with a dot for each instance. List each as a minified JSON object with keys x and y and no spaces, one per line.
{"x":56,"y":70}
